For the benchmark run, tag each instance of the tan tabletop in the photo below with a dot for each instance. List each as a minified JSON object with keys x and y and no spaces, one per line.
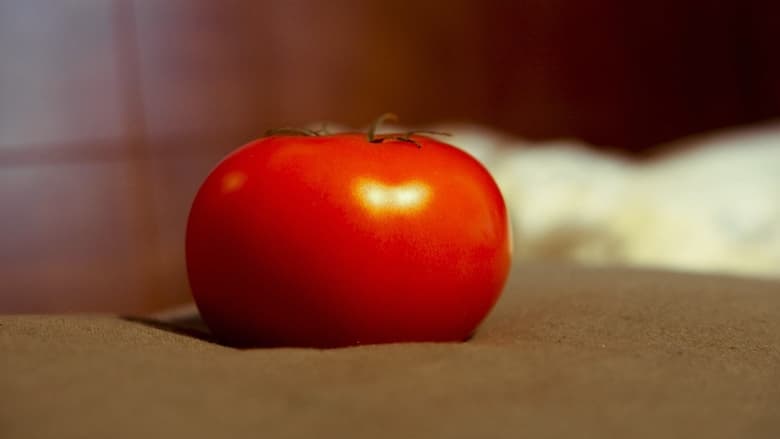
{"x":568,"y":352}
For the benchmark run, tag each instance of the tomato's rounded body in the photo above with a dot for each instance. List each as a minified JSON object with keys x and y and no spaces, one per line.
{"x":332,"y":241}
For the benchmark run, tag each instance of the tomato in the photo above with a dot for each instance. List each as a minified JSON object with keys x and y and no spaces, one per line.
{"x":333,"y":240}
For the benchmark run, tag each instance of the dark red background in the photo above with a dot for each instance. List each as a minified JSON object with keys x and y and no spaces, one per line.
{"x":111,"y":112}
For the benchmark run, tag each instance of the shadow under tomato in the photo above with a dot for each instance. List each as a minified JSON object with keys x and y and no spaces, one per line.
{"x":189,"y":326}
{"x":192,"y":325}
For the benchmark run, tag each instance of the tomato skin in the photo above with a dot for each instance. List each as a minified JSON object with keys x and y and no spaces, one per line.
{"x":329,"y":241}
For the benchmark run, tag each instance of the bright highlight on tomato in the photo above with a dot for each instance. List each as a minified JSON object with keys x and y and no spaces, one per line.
{"x":335,"y":240}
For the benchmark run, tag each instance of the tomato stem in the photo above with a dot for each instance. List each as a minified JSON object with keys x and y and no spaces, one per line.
{"x":379,"y":120}
{"x":405,"y":137}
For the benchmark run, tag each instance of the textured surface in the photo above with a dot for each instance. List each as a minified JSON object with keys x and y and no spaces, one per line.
{"x":568,"y":352}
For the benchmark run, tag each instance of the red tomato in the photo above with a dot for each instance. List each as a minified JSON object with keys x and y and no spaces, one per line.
{"x":332,"y":240}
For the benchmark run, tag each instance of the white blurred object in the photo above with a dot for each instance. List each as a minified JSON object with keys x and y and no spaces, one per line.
{"x":713,"y":207}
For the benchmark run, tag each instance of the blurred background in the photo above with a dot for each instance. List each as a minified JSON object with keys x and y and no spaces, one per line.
{"x":113,"y":111}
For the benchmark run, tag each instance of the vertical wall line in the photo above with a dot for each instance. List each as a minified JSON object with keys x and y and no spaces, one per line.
{"x":137,"y":143}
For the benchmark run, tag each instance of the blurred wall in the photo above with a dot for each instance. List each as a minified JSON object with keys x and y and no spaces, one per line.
{"x":112,"y":111}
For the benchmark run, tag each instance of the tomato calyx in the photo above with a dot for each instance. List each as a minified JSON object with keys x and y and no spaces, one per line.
{"x":292,"y":131}
{"x":371,"y":135}
{"x":288,"y":131}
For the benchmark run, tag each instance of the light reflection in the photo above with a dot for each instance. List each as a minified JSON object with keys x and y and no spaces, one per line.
{"x":233,"y":181}
{"x":377,"y":196}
